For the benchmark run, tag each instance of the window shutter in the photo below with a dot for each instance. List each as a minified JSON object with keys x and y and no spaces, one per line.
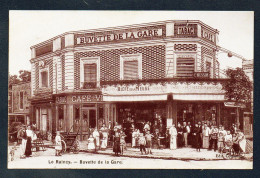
{"x":90,"y":72}
{"x":131,"y":70}
{"x":185,"y":67}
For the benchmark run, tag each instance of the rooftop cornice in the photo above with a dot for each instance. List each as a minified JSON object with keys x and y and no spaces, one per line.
{"x":126,"y":27}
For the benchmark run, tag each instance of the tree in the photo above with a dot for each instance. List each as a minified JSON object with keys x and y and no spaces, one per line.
{"x":238,"y":88}
{"x":12,"y":79}
{"x":25,"y":75}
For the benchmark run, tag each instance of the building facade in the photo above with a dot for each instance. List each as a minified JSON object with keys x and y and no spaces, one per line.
{"x":165,"y":71}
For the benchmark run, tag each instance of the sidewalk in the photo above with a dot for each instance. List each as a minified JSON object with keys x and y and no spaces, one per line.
{"x":185,"y":154}
{"x":178,"y":154}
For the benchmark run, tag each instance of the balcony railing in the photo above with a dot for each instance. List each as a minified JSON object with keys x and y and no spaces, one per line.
{"x":88,"y":85}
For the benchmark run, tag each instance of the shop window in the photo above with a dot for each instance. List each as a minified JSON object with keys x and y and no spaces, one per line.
{"x":90,"y":72}
{"x":61,"y":118}
{"x":185,"y":67}
{"x":21,"y":100}
{"x":131,"y":67}
{"x":76,"y":124}
{"x":44,"y":79}
{"x":84,"y":120}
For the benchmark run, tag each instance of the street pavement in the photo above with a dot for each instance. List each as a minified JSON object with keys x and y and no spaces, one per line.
{"x":186,"y":158}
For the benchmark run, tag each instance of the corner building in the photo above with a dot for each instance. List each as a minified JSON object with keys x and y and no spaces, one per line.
{"x":164,"y":70}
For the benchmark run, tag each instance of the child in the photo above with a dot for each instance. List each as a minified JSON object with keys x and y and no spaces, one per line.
{"x":58,"y":146}
{"x":142,"y":143}
{"x":148,"y":137}
{"x":122,"y":142}
{"x":12,"y":152}
{"x":91,"y":145}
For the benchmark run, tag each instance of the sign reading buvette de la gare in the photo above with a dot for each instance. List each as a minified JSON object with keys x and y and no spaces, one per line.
{"x":120,"y":35}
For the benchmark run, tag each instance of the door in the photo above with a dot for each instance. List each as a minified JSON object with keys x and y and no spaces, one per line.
{"x":89,"y":119}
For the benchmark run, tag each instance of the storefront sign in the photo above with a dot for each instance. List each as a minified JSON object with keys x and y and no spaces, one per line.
{"x":86,"y":98}
{"x":185,"y":30}
{"x":171,"y":87}
{"x":208,"y":35}
{"x":78,"y":99}
{"x":101,"y":37}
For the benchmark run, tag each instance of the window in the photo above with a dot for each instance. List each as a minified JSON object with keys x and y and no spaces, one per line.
{"x":90,"y":72}
{"x":185,"y":67}
{"x":209,"y":67}
{"x":44,"y":77}
{"x":131,"y":67}
{"x":21,"y":96}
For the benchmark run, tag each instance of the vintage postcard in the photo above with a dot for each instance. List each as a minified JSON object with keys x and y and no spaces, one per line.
{"x":130,"y":90}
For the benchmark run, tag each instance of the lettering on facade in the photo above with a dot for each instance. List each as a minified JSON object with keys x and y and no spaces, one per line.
{"x":185,"y":30}
{"x":61,"y":99}
{"x":208,"y":35}
{"x":86,"y":98}
{"x":164,"y":89}
{"x":78,"y":99}
{"x":90,"y":38}
{"x":133,"y":88}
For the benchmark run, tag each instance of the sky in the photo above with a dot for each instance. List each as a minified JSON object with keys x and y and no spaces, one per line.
{"x":27,"y":28}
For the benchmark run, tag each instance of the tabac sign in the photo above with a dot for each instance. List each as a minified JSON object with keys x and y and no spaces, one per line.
{"x":150,"y":32}
{"x":185,"y":30}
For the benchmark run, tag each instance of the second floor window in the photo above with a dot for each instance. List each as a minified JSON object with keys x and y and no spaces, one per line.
{"x":90,"y":73}
{"x":44,"y":79}
{"x":131,"y":70}
{"x":185,"y":67}
{"x":131,"y":67}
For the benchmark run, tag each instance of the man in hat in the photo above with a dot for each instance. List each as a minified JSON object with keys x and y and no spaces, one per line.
{"x":22,"y":135}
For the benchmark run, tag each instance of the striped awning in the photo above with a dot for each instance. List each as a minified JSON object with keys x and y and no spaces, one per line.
{"x":199,"y":97}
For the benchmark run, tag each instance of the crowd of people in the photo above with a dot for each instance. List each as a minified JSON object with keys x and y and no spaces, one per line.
{"x":204,"y":136}
{"x":201,"y":135}
{"x":198,"y":136}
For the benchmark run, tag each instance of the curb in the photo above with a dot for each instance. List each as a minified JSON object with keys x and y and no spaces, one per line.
{"x":165,"y":158}
{"x":160,"y":157}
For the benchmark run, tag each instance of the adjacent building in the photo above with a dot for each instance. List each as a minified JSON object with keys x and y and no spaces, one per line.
{"x":19,"y":104}
{"x":166,"y":71}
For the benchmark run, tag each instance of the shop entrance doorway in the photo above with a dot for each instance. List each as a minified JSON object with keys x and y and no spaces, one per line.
{"x":89,"y":119}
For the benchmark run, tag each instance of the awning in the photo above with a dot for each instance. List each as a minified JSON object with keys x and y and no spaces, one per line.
{"x":200,"y":97}
{"x":135,"y":97}
{"x":233,"y":104}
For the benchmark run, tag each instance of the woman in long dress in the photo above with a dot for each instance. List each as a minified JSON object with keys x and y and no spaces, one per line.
{"x":116,"y":147}
{"x":104,"y":132}
{"x":96,"y":136}
{"x":28,"y":149}
{"x":173,"y":137}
